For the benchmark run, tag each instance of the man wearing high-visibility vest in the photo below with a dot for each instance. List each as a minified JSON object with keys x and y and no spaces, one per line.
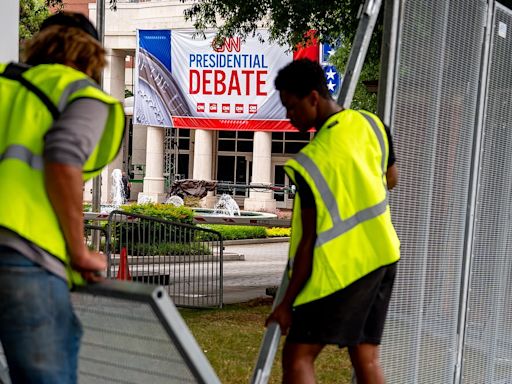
{"x":343,"y":247}
{"x":57,"y":129}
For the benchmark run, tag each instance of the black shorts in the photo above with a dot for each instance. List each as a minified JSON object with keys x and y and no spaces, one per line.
{"x":348,"y":317}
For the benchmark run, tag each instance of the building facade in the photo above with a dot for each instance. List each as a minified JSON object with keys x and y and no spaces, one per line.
{"x":153,"y":156}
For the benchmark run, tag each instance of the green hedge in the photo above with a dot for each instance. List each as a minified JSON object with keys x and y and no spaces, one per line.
{"x":237,"y":232}
{"x":172,"y":249}
{"x":148,"y":232}
{"x":162,"y":211}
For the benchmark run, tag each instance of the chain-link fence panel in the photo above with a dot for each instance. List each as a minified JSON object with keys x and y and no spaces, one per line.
{"x":488,"y":332}
{"x":433,"y":122}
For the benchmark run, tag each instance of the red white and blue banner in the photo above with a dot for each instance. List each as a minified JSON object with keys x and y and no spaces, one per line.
{"x":182,"y":81}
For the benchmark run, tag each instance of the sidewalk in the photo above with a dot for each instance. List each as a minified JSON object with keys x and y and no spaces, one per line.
{"x":262,"y":268}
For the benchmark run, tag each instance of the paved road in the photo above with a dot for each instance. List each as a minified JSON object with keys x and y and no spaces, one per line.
{"x":263,"y":265}
{"x":247,"y":279}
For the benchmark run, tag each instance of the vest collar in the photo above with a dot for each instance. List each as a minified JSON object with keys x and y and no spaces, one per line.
{"x":331,"y":120}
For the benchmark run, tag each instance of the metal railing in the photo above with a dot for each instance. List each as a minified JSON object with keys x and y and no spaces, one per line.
{"x":186,"y":260}
{"x":93,"y":232}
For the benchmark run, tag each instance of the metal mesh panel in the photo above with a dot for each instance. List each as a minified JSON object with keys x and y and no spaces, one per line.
{"x":4,"y":373}
{"x":124,"y":343}
{"x":488,"y":338}
{"x":433,"y":123}
{"x":133,"y":338}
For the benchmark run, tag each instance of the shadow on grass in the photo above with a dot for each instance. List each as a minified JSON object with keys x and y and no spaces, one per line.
{"x":231,"y":337}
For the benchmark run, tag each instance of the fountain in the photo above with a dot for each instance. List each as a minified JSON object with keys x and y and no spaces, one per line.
{"x":144,"y":199}
{"x":175,"y":200}
{"x":117,"y":194}
{"x":226,"y":206}
{"x":227,"y":211}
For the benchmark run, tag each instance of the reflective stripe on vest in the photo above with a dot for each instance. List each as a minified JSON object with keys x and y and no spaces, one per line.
{"x":354,"y":233}
{"x":26,"y":123}
{"x":341,"y":226}
{"x":19,"y":152}
{"x":72,"y":88}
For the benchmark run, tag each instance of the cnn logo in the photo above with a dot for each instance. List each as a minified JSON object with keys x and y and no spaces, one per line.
{"x":228,"y":44}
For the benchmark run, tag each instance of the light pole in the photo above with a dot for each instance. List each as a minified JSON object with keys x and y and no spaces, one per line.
{"x":96,"y":182}
{"x":100,"y":26}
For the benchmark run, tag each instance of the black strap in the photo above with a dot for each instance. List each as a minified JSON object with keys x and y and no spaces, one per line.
{"x":14,"y":71}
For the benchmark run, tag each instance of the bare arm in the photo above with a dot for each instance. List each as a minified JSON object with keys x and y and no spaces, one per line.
{"x":392,"y":177}
{"x":303,"y":261}
{"x":302,"y":268}
{"x":64,"y":187}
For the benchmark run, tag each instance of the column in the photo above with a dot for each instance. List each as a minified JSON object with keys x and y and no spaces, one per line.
{"x":203,"y":156}
{"x":9,"y":20}
{"x":153,"y":187}
{"x":261,"y":174}
{"x":139,"y":145}
{"x":113,"y":84}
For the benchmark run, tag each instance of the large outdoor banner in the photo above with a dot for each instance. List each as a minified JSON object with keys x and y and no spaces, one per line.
{"x":183,"y":81}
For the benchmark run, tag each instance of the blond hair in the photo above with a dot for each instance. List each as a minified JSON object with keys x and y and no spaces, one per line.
{"x":59,"y":44}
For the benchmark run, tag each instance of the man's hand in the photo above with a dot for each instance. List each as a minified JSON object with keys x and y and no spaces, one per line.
{"x":392,"y":177}
{"x":283,"y":316}
{"x":89,"y":264}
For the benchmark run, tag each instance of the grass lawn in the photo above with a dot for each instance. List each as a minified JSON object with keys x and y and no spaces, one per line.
{"x":231,"y":337}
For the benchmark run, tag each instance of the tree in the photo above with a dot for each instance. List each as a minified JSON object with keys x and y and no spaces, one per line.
{"x":32,"y":14}
{"x":363,"y":98}
{"x":290,"y":23}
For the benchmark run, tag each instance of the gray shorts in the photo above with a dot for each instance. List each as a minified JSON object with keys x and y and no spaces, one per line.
{"x":348,"y":317}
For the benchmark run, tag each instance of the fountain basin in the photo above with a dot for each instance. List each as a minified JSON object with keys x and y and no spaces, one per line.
{"x":211,"y":212}
{"x":208,"y":216}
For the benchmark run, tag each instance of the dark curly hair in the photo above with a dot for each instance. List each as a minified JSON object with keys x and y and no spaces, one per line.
{"x":69,"y":39}
{"x":302,"y":76}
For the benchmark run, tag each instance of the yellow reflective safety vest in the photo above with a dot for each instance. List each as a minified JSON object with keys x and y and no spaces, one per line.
{"x":31,"y":98}
{"x":345,"y":166}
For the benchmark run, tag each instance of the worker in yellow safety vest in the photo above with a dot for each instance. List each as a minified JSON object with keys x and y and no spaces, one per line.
{"x":58,"y":129}
{"x":343,"y":247}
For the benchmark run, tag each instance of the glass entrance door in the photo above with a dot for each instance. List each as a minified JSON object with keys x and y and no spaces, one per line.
{"x":283,"y":198}
{"x":236,"y":170}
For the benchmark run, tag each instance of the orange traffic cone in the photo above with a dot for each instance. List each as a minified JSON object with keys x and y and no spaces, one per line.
{"x":123,"y":272}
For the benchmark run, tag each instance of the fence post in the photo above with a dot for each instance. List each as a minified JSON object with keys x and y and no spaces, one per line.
{"x":473,"y":190}
{"x":367,"y":20}
{"x":390,"y":47}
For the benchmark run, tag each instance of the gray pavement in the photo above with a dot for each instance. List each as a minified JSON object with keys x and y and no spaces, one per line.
{"x":263,"y":267}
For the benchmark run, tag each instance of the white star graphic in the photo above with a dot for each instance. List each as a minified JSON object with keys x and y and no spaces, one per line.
{"x":330,"y":74}
{"x":331,"y":86}
{"x":331,"y":52}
